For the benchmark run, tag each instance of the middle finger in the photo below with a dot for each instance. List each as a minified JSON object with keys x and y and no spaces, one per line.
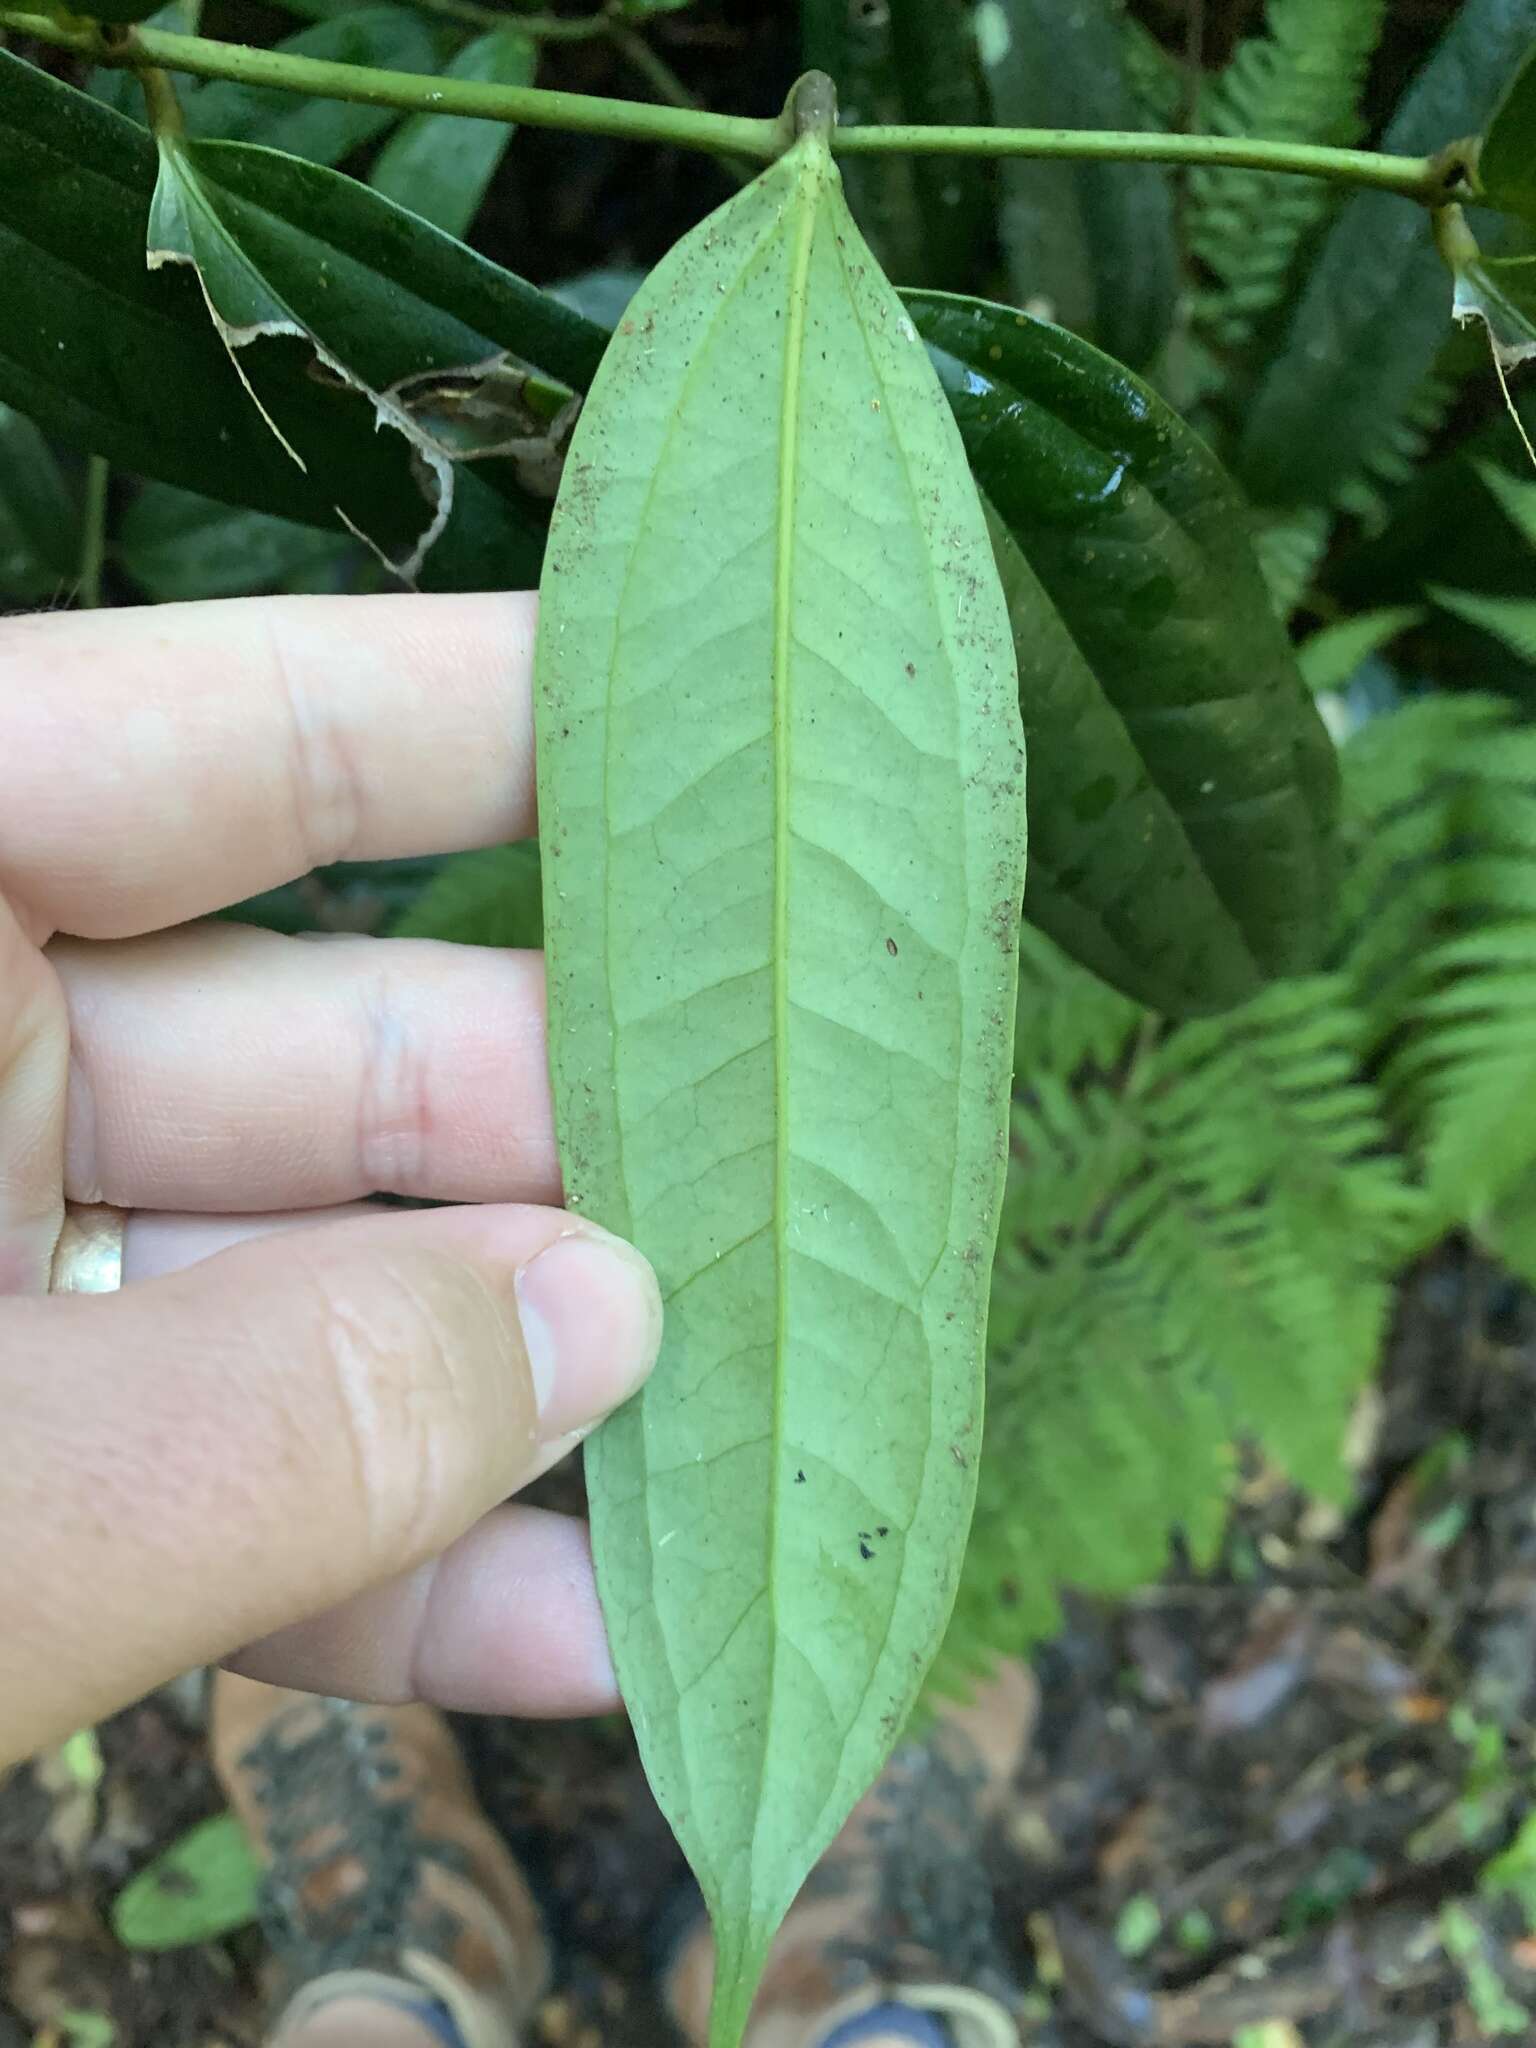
{"x":219,"y":1067}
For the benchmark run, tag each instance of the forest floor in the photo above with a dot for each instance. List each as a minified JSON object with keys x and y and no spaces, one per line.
{"x":1260,"y":1804}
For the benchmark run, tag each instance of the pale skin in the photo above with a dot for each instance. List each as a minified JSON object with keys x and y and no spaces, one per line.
{"x":290,"y":1440}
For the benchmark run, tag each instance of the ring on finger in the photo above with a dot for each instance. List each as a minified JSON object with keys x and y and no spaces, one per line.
{"x":88,"y":1258}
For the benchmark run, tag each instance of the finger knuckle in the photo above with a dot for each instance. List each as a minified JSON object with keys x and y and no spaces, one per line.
{"x":411,"y":1359}
{"x":396,"y":1118}
{"x":327,"y":793}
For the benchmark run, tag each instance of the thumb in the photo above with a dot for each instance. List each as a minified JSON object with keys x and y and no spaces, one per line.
{"x":207,"y":1457}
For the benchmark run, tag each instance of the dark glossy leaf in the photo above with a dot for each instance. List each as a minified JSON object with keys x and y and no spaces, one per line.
{"x":1373,"y":314}
{"x":490,"y":898}
{"x":439,"y":165}
{"x":340,"y":257}
{"x":116,"y":360}
{"x":175,"y":545}
{"x":204,"y":1885}
{"x":1090,"y":245}
{"x":909,"y":60}
{"x":1506,"y":164}
{"x":261,"y":230}
{"x":1182,"y":787}
{"x":39,"y":519}
{"x":92,"y":345}
{"x":323,"y":130}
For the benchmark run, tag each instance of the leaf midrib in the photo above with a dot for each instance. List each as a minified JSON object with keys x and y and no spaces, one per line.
{"x":807,"y":198}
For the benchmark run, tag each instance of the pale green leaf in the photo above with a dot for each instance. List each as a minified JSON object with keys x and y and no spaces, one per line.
{"x":439,"y":165}
{"x":1329,"y":658}
{"x":782,"y":813}
{"x":1510,"y":620}
{"x":204,"y":1885}
{"x":1506,"y":163}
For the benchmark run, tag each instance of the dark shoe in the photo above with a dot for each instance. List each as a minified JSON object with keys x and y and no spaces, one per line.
{"x":384,"y":1878}
{"x":898,"y":1914}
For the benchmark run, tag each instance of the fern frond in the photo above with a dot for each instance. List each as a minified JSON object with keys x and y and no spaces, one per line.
{"x":1465,"y":1069}
{"x":1067,"y":1019}
{"x":1196,"y":1240}
{"x":1289,"y":551}
{"x":1203,"y":1221}
{"x":1300,"y":82}
{"x":1509,"y":620}
{"x":1439,"y":822}
{"x":1516,"y":497}
{"x":1155,"y":75}
{"x":1439,"y":940}
{"x":1401,"y":447}
{"x":1329,"y":657}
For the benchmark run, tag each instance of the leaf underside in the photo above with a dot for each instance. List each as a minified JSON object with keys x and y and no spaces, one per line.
{"x":780,"y":776}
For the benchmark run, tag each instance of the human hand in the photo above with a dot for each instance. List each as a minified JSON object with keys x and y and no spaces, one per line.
{"x":297,"y":1438}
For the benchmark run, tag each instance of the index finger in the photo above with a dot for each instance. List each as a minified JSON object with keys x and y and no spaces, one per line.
{"x":160,"y":763}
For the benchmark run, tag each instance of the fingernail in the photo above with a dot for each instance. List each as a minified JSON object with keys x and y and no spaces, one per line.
{"x":591,"y":1319}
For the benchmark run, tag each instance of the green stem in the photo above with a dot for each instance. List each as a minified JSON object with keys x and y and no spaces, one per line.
{"x":1429,"y":180}
{"x":1421,"y":178}
{"x":530,"y":106}
{"x":93,"y":533}
{"x":161,"y":105}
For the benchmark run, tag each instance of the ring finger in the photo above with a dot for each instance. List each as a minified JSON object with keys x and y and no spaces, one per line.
{"x":228,"y":1069}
